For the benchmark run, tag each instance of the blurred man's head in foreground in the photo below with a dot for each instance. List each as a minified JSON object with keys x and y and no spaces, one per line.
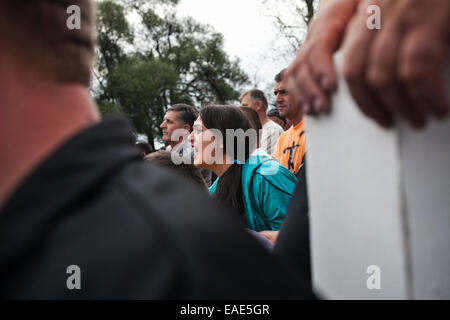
{"x":39,"y":38}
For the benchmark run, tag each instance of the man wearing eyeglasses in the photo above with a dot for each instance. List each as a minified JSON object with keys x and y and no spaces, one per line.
{"x":290,"y":148}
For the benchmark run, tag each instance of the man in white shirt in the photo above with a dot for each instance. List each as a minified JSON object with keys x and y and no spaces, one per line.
{"x":256,"y":100}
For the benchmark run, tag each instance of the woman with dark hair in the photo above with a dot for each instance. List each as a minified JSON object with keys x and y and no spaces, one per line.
{"x":256,"y":187}
{"x":253,"y":117}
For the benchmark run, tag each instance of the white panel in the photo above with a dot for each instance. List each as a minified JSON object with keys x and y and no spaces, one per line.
{"x":426,"y":171}
{"x":378,"y":197}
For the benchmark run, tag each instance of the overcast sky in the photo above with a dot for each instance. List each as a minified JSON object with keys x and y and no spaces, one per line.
{"x":249,"y":34}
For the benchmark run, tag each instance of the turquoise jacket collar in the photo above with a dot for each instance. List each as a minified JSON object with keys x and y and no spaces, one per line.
{"x":267,"y":189}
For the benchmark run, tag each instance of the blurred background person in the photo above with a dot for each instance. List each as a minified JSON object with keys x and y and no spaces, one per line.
{"x":274,"y":115}
{"x":252,"y":116}
{"x":256,"y":100}
{"x":145,"y":148}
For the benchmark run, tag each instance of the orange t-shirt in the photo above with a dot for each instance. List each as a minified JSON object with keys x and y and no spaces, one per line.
{"x":291,"y":147}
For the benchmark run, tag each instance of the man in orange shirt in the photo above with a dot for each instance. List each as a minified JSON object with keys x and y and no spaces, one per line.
{"x":291,"y":147}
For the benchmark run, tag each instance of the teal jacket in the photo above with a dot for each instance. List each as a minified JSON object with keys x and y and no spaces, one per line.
{"x":267,"y":191}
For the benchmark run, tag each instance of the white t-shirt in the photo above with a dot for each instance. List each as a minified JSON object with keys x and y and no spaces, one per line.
{"x":269,"y":137}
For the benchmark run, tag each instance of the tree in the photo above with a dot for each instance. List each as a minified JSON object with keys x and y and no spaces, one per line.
{"x":291,"y":18}
{"x":157,"y":61}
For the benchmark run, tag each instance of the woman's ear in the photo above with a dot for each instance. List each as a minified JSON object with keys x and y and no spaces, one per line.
{"x":258,"y":105}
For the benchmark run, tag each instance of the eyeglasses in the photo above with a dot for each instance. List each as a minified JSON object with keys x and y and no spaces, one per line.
{"x":282,"y":92}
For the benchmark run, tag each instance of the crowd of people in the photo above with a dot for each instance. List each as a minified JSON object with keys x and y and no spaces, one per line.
{"x":257,"y":183}
{"x":222,"y":211}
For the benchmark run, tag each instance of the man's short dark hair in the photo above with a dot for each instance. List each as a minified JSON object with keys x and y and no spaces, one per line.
{"x":275,"y":113}
{"x":187,"y":171}
{"x":37,"y":31}
{"x":145,"y":147}
{"x":186,"y":114}
{"x":280,"y":76}
{"x":257,"y":95}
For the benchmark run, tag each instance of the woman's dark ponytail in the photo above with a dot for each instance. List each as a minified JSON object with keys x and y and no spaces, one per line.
{"x":229,"y":190}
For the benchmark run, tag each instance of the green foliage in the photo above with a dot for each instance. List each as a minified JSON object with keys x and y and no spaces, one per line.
{"x":113,"y":33}
{"x":141,"y":87}
{"x":162,"y":60}
{"x":108,"y":108}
